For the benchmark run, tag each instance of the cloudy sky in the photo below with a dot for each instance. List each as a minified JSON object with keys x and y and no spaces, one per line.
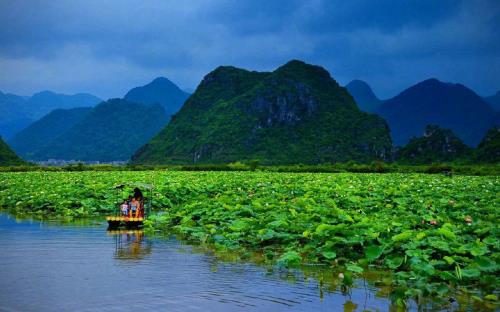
{"x":108,"y":47}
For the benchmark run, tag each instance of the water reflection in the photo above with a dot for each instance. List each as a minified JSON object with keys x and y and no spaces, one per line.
{"x":131,"y":244}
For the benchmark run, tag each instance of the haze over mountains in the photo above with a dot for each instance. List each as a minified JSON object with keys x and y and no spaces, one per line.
{"x":161,"y":91}
{"x":110,"y":131}
{"x":17,"y":112}
{"x":295,"y":114}
{"x":451,"y":106}
{"x":363,"y":95}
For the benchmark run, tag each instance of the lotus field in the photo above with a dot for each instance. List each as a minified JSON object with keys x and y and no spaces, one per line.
{"x":434,"y":235}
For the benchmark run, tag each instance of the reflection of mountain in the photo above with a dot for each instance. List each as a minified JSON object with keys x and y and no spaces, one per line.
{"x":131,"y":244}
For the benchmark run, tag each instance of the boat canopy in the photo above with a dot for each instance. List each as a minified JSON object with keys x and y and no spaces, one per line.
{"x":143,"y":186}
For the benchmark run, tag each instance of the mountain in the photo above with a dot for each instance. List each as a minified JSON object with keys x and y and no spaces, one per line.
{"x":13,"y":114}
{"x":295,"y":114}
{"x":494,"y":101}
{"x":17,"y":112}
{"x":451,"y":106}
{"x":437,"y":145}
{"x":162,"y":91}
{"x":363,"y":95}
{"x":43,"y":102}
{"x":46,"y":129}
{"x":111,"y":131}
{"x":489,"y":148}
{"x":7,"y":156}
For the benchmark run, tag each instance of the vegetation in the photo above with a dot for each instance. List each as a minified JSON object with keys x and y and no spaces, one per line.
{"x":437,"y":234}
{"x":295,"y":114}
{"x":8,"y":157}
{"x":489,"y":148}
{"x":437,"y":145}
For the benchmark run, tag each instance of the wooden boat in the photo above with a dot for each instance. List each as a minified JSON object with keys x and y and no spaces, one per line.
{"x":118,"y":220}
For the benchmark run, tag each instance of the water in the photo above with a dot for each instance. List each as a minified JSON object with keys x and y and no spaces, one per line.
{"x":54,"y":267}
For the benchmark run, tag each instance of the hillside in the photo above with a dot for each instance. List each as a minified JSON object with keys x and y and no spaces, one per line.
{"x":46,"y":129}
{"x":437,"y":145}
{"x":447,"y":105}
{"x":162,"y":91}
{"x":494,"y":101}
{"x":295,"y":114}
{"x":7,"y":155}
{"x":489,"y":148}
{"x":111,"y":131}
{"x":363,"y":95}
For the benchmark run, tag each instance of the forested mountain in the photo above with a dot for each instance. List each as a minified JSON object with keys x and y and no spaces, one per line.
{"x":7,"y":155}
{"x":451,"y":106}
{"x":489,"y":148}
{"x":494,"y":101}
{"x":17,"y":112}
{"x":111,"y":131}
{"x":363,"y":95}
{"x":436,"y":145}
{"x":46,"y":129}
{"x":295,"y":114}
{"x":162,"y":91}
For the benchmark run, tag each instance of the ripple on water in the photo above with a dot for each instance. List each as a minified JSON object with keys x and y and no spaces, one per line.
{"x":52,"y":267}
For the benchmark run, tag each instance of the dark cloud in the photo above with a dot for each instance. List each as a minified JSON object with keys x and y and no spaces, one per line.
{"x":107,"y":47}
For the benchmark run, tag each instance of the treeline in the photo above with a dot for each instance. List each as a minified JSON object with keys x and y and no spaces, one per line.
{"x":373,"y":167}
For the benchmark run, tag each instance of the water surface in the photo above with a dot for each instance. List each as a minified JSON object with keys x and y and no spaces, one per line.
{"x":54,"y":267}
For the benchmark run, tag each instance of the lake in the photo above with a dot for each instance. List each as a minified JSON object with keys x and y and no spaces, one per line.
{"x":51,"y":266}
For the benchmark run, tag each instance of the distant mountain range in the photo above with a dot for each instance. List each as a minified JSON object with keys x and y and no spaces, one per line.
{"x":295,"y":114}
{"x":111,"y":131}
{"x":363,"y":95}
{"x":161,"y":91}
{"x":451,"y":106}
{"x":17,"y":112}
{"x":45,"y":130}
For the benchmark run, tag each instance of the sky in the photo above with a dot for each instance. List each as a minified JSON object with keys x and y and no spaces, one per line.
{"x":108,"y":47}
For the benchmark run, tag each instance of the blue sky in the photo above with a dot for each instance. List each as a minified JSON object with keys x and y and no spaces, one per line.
{"x":108,"y":47}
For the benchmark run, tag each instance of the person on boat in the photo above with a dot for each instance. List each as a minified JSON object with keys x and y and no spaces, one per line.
{"x":140,"y":198}
{"x":138,"y":194}
{"x":134,"y":207}
{"x":124,"y":208}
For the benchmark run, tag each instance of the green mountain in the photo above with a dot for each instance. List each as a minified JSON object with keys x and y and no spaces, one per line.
{"x":7,"y":155}
{"x":295,"y":114}
{"x":432,"y":102}
{"x":365,"y":98}
{"x":46,"y":129}
{"x":162,"y":91}
{"x":437,"y":145}
{"x":494,"y":101}
{"x":111,"y":131}
{"x":489,"y":148}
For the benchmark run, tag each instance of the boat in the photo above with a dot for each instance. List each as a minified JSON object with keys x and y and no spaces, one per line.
{"x":119,"y":220}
